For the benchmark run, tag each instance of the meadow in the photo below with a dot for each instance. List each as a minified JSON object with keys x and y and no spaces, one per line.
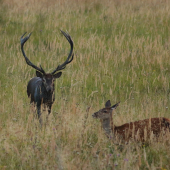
{"x":122,"y":53}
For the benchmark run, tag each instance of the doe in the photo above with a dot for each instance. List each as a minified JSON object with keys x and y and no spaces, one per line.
{"x":141,"y":130}
{"x":41,"y":88}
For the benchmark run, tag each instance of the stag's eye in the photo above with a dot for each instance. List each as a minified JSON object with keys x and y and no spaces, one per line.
{"x":105,"y":111}
{"x":44,"y":80}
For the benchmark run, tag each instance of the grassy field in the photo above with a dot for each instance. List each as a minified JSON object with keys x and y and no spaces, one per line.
{"x":122,"y":53}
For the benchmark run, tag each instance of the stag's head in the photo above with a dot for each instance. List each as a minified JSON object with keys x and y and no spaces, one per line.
{"x":48,"y":78}
{"x":106,"y":112}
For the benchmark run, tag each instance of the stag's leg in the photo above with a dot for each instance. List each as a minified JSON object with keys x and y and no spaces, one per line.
{"x":39,"y":112}
{"x":49,"y":111}
{"x":49,"y":108}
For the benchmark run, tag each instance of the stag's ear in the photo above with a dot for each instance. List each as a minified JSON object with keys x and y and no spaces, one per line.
{"x":108,"y":104}
{"x":115,"y":106}
{"x":57,"y":75}
{"x":38,"y":74}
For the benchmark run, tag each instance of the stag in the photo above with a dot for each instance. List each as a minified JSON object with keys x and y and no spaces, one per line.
{"x":41,"y":89}
{"x":141,"y":130}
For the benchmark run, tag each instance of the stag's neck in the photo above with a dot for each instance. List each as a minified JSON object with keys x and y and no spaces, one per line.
{"x":44,"y":91}
{"x":107,"y":125}
{"x":46,"y":96}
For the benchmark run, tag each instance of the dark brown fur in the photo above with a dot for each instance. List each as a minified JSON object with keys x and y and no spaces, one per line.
{"x":41,"y":89}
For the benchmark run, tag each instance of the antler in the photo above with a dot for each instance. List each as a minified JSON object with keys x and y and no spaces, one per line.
{"x":23,"y":40}
{"x":68,"y":60}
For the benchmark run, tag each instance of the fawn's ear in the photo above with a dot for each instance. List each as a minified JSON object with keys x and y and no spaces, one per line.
{"x":115,"y":106}
{"x":57,"y":75}
{"x":38,"y":74}
{"x":108,"y":104}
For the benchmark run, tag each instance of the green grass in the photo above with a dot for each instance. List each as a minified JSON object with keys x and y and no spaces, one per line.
{"x":121,"y":53}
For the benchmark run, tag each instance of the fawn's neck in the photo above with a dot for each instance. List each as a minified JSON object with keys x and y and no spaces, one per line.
{"x":108,"y":127}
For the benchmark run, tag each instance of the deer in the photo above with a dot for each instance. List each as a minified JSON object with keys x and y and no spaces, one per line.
{"x":41,"y":89}
{"x":140,"y":131}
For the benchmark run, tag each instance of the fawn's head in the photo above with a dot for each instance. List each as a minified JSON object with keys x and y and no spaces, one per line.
{"x":106,"y":112}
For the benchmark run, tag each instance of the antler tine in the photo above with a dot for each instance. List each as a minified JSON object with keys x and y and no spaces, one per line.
{"x":23,"y":40}
{"x":68,"y":60}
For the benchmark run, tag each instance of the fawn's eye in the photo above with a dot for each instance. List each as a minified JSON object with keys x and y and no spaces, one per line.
{"x":105,"y":111}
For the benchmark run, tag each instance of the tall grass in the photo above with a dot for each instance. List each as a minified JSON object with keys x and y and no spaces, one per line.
{"x":121,"y":53}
